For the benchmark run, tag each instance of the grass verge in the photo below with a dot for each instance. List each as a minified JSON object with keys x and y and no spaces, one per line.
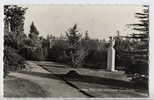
{"x":16,"y":87}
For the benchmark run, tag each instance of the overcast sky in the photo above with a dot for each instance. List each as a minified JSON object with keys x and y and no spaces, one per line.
{"x":101,"y":21}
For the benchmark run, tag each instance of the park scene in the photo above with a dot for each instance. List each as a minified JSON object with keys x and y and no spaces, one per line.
{"x":76,"y":51}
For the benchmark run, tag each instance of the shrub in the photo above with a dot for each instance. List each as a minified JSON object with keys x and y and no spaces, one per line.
{"x":138,"y":71}
{"x":96,"y":59}
{"x":30,"y":53}
{"x":12,"y":60}
{"x":57,"y":54}
{"x":37,"y":54}
{"x":140,"y":67}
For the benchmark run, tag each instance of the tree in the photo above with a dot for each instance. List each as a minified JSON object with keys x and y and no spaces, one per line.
{"x":14,"y":26}
{"x":33,"y":29}
{"x":143,"y":28}
{"x":86,"y":41}
{"x":14,"y":17}
{"x":86,"y":36}
{"x":13,"y":37}
{"x":35,"y":44}
{"x":143,"y":25}
{"x":141,"y":50}
{"x":76,"y":51}
{"x":34,"y":36}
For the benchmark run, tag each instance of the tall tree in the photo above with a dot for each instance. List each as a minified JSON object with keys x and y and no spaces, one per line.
{"x":33,"y":29}
{"x":143,"y":28}
{"x":76,"y":51}
{"x":143,"y":25}
{"x":13,"y":37}
{"x":139,"y":55}
{"x":14,"y":25}
{"x":14,"y":17}
{"x":34,"y":36}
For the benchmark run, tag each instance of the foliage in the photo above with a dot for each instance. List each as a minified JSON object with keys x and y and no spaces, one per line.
{"x":14,"y":18}
{"x":77,"y":53}
{"x":12,"y":60}
{"x":96,"y":52}
{"x":88,"y":43}
{"x":33,"y":29}
{"x":14,"y":40}
{"x":34,"y":36}
{"x":14,"y":26}
{"x":140,"y":52}
{"x":58,"y":52}
{"x":37,"y":54}
{"x":96,"y":59}
{"x":143,"y":25}
{"x":33,"y":49}
{"x":143,"y":28}
{"x":139,"y":67}
{"x":14,"y":37}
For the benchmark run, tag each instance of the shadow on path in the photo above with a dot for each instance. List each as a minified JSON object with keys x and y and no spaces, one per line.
{"x":104,"y":81}
{"x":90,"y":79}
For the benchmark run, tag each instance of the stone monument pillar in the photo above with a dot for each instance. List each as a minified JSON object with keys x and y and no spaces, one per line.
{"x":111,"y":55}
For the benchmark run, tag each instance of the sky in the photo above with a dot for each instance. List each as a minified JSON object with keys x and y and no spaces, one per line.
{"x":101,"y":21}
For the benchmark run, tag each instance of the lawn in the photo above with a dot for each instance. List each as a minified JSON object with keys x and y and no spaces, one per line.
{"x":16,"y":87}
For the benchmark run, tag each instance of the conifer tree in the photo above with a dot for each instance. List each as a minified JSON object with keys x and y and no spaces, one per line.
{"x":76,"y":51}
{"x":33,"y":29}
{"x":34,"y":36}
{"x":139,"y":55}
{"x":142,"y":27}
{"x":143,"y":24}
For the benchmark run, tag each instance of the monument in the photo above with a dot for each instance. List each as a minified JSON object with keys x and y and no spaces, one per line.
{"x":111,"y":55}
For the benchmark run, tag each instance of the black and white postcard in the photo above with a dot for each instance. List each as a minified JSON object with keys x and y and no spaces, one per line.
{"x":76,"y":51}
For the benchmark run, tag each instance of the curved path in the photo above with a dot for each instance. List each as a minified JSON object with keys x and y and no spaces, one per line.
{"x":53,"y":86}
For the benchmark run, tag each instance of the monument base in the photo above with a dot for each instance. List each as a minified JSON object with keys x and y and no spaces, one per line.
{"x":111,"y":70}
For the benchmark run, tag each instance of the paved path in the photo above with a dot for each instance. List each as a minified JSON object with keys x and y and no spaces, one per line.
{"x":53,"y":86}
